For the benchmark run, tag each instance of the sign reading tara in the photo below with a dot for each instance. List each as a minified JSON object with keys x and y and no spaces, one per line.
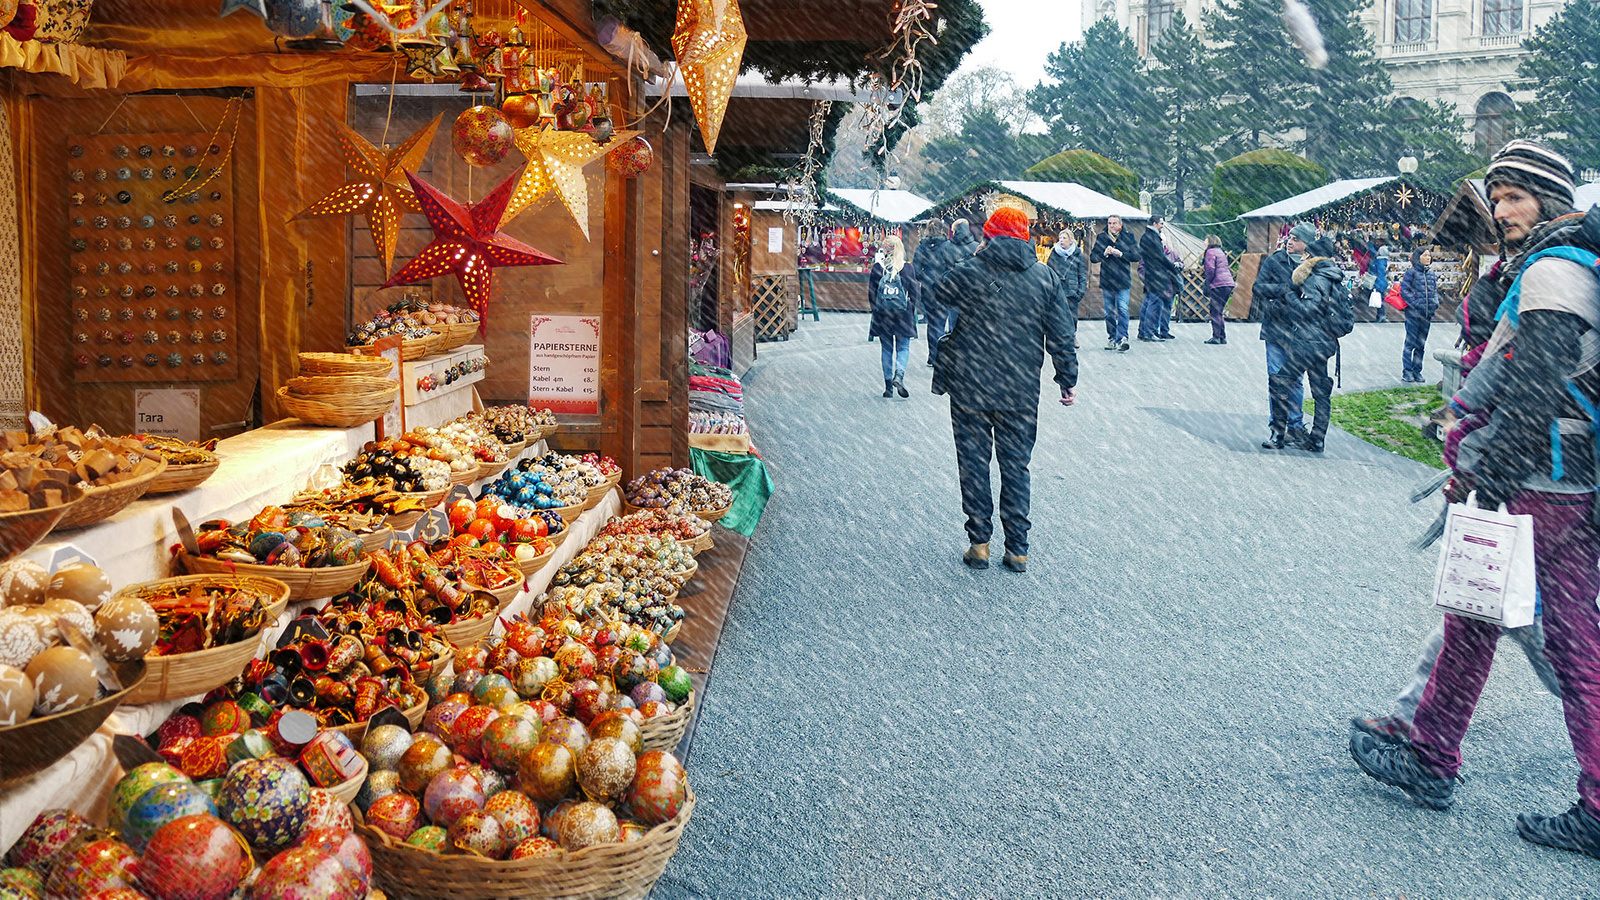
{"x":564,"y":364}
{"x":173,"y":413}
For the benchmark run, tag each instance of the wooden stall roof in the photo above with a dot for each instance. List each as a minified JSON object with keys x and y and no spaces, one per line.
{"x":1466,"y":220}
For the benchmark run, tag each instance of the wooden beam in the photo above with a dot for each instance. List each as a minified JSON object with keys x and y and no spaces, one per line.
{"x":568,"y":20}
{"x":844,"y":21}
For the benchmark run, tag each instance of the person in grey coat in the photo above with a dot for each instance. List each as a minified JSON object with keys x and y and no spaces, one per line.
{"x":1272,"y":287}
{"x":1066,"y":260}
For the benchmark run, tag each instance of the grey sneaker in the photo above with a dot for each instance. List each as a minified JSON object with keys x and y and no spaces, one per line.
{"x":1111,"y":344}
{"x":1387,"y":729}
{"x":1397,"y":766}
{"x":1576,"y":829}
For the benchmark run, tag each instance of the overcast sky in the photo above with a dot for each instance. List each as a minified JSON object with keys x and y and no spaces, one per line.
{"x":1023,"y":32}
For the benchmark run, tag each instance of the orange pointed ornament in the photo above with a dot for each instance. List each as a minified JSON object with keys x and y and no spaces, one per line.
{"x":378,"y":189}
{"x":708,"y":39}
{"x":555,"y":165}
{"x":467,"y":243}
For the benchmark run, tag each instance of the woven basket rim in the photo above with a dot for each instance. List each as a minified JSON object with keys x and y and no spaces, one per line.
{"x":347,"y":790}
{"x":111,"y":499}
{"x":354,"y":385}
{"x":299,"y":580}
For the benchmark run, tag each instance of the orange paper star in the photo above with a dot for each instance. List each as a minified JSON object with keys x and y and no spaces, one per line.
{"x":379,"y":190}
{"x":555,"y":163}
{"x":708,"y":41}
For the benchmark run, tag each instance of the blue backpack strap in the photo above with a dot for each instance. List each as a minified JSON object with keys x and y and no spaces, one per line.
{"x":1508,"y":307}
{"x":1594,"y":425}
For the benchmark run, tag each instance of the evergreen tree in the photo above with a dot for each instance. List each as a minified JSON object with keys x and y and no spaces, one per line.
{"x":1097,"y":97}
{"x":1262,"y":75}
{"x":1564,"y":74}
{"x":1346,"y":104}
{"x":1184,"y":88}
{"x":987,"y":149}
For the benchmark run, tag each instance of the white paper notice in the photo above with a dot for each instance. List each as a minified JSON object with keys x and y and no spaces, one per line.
{"x":564,"y":364}
{"x":173,"y":413}
{"x":1475,"y":565}
{"x":775,"y":240}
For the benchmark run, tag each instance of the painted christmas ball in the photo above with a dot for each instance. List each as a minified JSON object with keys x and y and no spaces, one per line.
{"x":96,"y":865}
{"x":486,"y":684}
{"x":267,"y":800}
{"x":133,"y":785}
{"x":647,"y":692}
{"x":194,"y":858}
{"x":440,"y":685}
{"x":16,"y":696}
{"x":304,"y":873}
{"x":344,"y":846}
{"x":162,"y":804}
{"x":675,"y":681}
{"x":517,"y":814}
{"x":548,"y":773}
{"x":531,"y":675}
{"x":63,"y":680}
{"x":493,"y":782}
{"x":482,"y":136}
{"x":442,"y":717}
{"x":81,"y":583}
{"x":26,"y":882}
{"x":328,"y":813}
{"x":205,"y":758}
{"x":521,"y":110}
{"x":466,"y":679}
{"x":630,"y":832}
{"x":20,"y":640}
{"x":479,"y":833}
{"x":552,"y":819}
{"x":116,"y":894}
{"x":223,"y":717}
{"x":467,"y":731}
{"x":377,"y":785}
{"x":177,"y":726}
{"x":507,"y":740}
{"x":425,"y":758}
{"x":50,"y":832}
{"x":617,"y":724}
{"x":659,"y":789}
{"x":384,"y":745}
{"x":605,"y":769}
{"x":655,"y":710}
{"x":451,"y":794}
{"x":570,"y":733}
{"x":431,"y":838}
{"x":631,"y":158}
{"x":126,"y":628}
{"x":397,"y":815}
{"x":536,"y":847}
{"x":585,"y":825}
{"x":74,"y":613}
{"x":23,"y":582}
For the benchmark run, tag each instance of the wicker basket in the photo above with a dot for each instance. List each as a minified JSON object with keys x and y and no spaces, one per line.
{"x":304,"y":584}
{"x":403,"y":521}
{"x":530,"y":566}
{"x":190,"y":674}
{"x":559,"y":537}
{"x":378,"y":538}
{"x":700,"y":544}
{"x":314,"y":386}
{"x":340,"y":410}
{"x":466,"y":476}
{"x":601,"y":872}
{"x":436,"y":496}
{"x":100,"y":503}
{"x":182,"y":478}
{"x":597,"y":494}
{"x":515,"y":450}
{"x":664,"y":732}
{"x":354,"y":730}
{"x":715,"y":514}
{"x":344,"y":364}
{"x":570,"y":514}
{"x":487,"y":470}
{"x":346,"y":791}
{"x":466,"y":632}
{"x":34,"y":745}
{"x":458,"y":335}
{"x":20,"y":530}
{"x":410,"y":349}
{"x":672,"y":633}
{"x":682,"y":578}
{"x":508,"y":593}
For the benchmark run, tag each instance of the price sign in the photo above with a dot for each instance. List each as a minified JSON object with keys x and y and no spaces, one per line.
{"x":564,"y":364}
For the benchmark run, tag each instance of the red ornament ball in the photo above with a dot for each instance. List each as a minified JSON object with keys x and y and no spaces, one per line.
{"x":305,"y":873}
{"x":194,"y":858}
{"x":482,"y":136}
{"x":631,"y":158}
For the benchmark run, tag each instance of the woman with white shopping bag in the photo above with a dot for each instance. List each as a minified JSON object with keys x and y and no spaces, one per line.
{"x":1529,"y":460}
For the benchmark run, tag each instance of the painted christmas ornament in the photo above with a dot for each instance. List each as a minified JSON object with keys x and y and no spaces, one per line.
{"x":507,"y":740}
{"x":126,"y":627}
{"x":425,"y":758}
{"x":49,"y":834}
{"x":75,"y":613}
{"x":536,"y":847}
{"x":162,"y":804}
{"x":570,"y":733}
{"x":482,"y":136}
{"x":517,"y":814}
{"x":177,"y":726}
{"x":493,"y":782}
{"x":467,"y":731}
{"x":304,"y":873}
{"x":23,"y":583}
{"x":481,"y":691}
{"x":430,"y":837}
{"x":377,"y":785}
{"x":133,"y":785}
{"x":267,"y":800}
{"x":533,"y":674}
{"x":466,"y":679}
{"x":384,"y":745}
{"x":442,"y":717}
{"x":675,"y":681}
{"x":16,"y":696}
{"x":397,"y":815}
{"x":205,"y":758}
{"x":521,"y":110}
{"x":347,"y":848}
{"x":328,"y":813}
{"x":26,"y":882}
{"x":585,"y":825}
{"x":81,"y":583}
{"x":19,"y":639}
{"x":617,"y":724}
{"x":194,"y":858}
{"x":631,"y":158}
{"x":548,"y":773}
{"x":451,"y":794}
{"x":659,"y":789}
{"x":479,"y":833}
{"x":605,"y":769}
{"x":223,"y":717}
{"x":629,"y":832}
{"x":97,"y":865}
{"x":63,"y":680}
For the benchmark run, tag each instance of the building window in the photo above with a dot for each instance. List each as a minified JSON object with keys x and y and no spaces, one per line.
{"x":1160,"y":20}
{"x":1413,"y":21}
{"x":1502,"y":17}
{"x":1489,"y":129}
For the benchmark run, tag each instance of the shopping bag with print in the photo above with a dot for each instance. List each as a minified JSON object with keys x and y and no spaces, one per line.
{"x":1375,"y":300}
{"x":1486,"y":566}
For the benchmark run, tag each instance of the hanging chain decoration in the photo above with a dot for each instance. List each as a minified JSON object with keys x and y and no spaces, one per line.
{"x":802,"y":204}
{"x":887,"y":98}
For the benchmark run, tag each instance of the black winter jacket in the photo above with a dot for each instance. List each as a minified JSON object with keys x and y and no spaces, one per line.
{"x":1272,"y":286}
{"x":1304,"y":314}
{"x":894,"y":324}
{"x":935,"y":257}
{"x":1073,"y":271}
{"x":1115,"y":274}
{"x":1010,"y":309}
{"x":963,"y":243}
{"x":1160,"y":275}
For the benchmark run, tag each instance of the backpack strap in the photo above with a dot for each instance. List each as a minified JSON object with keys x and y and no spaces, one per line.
{"x":1509,"y":307}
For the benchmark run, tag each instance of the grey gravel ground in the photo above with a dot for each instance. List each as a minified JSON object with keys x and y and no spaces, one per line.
{"x":1158,"y":708}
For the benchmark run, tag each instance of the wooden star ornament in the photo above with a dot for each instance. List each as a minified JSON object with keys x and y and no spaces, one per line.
{"x":378,"y":190}
{"x":467,"y":243}
{"x":555,"y":164}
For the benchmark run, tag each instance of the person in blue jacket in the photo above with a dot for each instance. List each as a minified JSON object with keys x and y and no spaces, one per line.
{"x":1379,"y":270}
{"x":1419,"y":288}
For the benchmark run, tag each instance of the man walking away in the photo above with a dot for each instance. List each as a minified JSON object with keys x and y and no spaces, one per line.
{"x":1160,"y":284}
{"x":1271,"y":289}
{"x":934,"y":253}
{"x":1115,"y":250}
{"x":1010,"y":309}
{"x":962,"y":242}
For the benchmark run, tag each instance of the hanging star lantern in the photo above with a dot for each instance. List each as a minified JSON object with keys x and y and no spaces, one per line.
{"x":377,"y":191}
{"x":467,"y":243}
{"x":555,"y":164}
{"x":708,"y":39}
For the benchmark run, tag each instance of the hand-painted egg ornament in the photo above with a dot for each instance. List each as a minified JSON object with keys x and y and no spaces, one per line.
{"x":452,"y":793}
{"x":75,"y":613}
{"x":397,"y":815}
{"x":347,"y":848}
{"x":162,"y":804}
{"x":431,"y":838}
{"x":63,"y":680}
{"x":442,"y":717}
{"x":81,"y":583}
{"x":535,"y":847}
{"x":605,"y":769}
{"x":328,"y":813}
{"x":467,"y":731}
{"x":659,"y":789}
{"x":548,"y":773}
{"x":631,"y":158}
{"x":482,"y":136}
{"x":304,"y":873}
{"x":96,"y":865}
{"x":267,"y":800}
{"x":479,"y":833}
{"x":126,"y":628}
{"x":507,"y":740}
{"x":194,"y":858}
{"x":20,"y":641}
{"x":384,"y":745}
{"x":23,"y":582}
{"x":425,"y":758}
{"x":49,"y":834}
{"x":585,"y":825}
{"x":518,"y":816}
{"x":133,"y":785}
{"x":16,"y":696}
{"x":378,"y":784}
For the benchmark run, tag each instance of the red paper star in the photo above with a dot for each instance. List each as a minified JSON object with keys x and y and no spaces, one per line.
{"x":467,"y":242}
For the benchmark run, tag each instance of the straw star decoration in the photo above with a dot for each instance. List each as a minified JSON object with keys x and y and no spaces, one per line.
{"x":377,"y":191}
{"x":467,"y":243}
{"x":555,"y":164}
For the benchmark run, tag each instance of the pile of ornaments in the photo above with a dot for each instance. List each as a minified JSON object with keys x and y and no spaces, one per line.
{"x":520,"y":419}
{"x":36,"y":469}
{"x":608,"y":468}
{"x":280,"y":537}
{"x":678,"y":491}
{"x":475,"y":433}
{"x":656,"y":523}
{"x":169,"y":838}
{"x":492,"y":522}
{"x":406,"y":466}
{"x":424,"y":313}
{"x":387,"y":324}
{"x":632,"y":576}
{"x":204,"y":741}
{"x":549,"y":482}
{"x":43,"y":672}
{"x":446,"y":447}
{"x":435,"y":586}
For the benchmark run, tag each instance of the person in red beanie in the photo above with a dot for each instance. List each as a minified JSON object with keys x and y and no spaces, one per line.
{"x":1010,"y":309}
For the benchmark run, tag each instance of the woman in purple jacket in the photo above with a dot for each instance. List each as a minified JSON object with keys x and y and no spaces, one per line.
{"x":1218,"y":279}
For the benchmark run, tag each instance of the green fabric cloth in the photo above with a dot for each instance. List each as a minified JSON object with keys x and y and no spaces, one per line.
{"x":747,"y":475}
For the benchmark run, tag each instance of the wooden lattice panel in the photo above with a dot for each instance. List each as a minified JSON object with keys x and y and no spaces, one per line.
{"x":1193,"y":304}
{"x":772,"y":298}
{"x":153,"y":284}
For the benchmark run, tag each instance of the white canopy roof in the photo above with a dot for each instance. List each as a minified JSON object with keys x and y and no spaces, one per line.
{"x":1316,"y":198}
{"x":1071,"y":197}
{"x":1586,"y":195}
{"x":898,"y":207}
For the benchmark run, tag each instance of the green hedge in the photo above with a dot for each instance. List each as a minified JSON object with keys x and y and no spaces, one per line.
{"x":1254,"y":179}
{"x":1091,"y":170}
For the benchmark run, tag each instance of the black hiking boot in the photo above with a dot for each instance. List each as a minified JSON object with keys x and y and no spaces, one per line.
{"x":1576,"y":829}
{"x":1397,"y":765}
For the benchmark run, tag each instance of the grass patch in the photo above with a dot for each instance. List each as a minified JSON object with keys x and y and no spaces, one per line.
{"x":1391,"y":419}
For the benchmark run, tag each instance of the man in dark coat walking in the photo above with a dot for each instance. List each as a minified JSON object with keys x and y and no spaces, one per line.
{"x":1116,"y":251}
{"x":1010,"y":309}
{"x":1308,"y":342}
{"x":935,"y":256}
{"x":1272,"y":287}
{"x":1160,"y":284}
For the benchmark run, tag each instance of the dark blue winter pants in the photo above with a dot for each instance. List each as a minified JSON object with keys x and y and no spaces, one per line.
{"x":1007,"y":435}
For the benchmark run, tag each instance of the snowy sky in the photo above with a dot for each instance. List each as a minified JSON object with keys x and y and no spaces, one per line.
{"x":1023,"y":32}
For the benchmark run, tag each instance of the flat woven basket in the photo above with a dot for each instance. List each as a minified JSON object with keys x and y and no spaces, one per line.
{"x":466,"y":476}
{"x":378,"y":538}
{"x":570,"y":514}
{"x":100,"y":503}
{"x":189,"y":674}
{"x":183,"y":478}
{"x":664,"y":732}
{"x":315,"y":386}
{"x":493,"y":469}
{"x":30,"y":747}
{"x":466,"y":632}
{"x":602,"y":872}
{"x":514,"y":450}
{"x":402,"y":521}
{"x":700,"y":544}
{"x":339,"y":410}
{"x":559,"y":537}
{"x":346,"y":791}
{"x":458,"y":335}
{"x":597,"y":494}
{"x":530,"y":566}
{"x":344,"y":364}
{"x":410,"y":349}
{"x":304,"y":584}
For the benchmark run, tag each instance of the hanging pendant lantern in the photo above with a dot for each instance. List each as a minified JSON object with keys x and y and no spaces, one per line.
{"x":708,"y":40}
